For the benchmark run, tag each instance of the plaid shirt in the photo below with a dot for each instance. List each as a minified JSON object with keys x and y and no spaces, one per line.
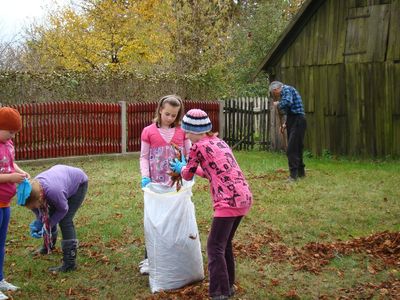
{"x":291,"y":102}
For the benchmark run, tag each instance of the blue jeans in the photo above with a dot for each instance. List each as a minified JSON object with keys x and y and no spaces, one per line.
{"x":221,"y":263}
{"x":5,"y":213}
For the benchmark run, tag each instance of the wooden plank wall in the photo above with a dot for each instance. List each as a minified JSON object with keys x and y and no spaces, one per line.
{"x":352,"y":102}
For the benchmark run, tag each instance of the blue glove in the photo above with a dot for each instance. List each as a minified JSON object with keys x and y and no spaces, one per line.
{"x":176,"y":165}
{"x":36,"y":225}
{"x":37,"y":229}
{"x":38,"y":234}
{"x":145,"y":181}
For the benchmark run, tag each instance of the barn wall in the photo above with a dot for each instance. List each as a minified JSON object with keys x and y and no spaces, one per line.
{"x":345,"y":63}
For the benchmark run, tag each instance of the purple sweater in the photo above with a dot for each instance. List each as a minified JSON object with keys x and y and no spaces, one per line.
{"x":60,"y":183}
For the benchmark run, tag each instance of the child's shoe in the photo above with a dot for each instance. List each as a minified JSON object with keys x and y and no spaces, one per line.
{"x":6,"y":286}
{"x":2,"y":296}
{"x":144,"y":267}
{"x":144,"y":262}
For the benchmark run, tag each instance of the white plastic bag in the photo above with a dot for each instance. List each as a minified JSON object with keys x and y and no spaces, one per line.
{"x":172,"y":237}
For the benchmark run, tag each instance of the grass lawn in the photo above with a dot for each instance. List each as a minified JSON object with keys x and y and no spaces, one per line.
{"x":333,"y":235}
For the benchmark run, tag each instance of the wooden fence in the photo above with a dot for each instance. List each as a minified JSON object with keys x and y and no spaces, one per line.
{"x":140,"y":115}
{"x":246,"y":123}
{"x":60,"y":129}
{"x":67,"y":129}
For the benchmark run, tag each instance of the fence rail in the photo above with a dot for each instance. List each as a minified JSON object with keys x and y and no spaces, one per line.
{"x":59,"y":129}
{"x":139,"y":115}
{"x":68,"y":129}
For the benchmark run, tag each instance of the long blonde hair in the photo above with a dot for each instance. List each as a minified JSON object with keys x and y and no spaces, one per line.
{"x":173,"y":100}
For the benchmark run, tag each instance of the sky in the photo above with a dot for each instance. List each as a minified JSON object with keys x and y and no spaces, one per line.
{"x":14,"y":14}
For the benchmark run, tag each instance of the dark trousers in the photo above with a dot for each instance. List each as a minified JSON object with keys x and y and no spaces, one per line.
{"x":221,"y":263}
{"x":296,"y":128}
{"x":67,"y":224}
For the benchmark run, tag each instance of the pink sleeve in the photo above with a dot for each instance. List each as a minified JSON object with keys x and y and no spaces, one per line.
{"x":144,"y":159}
{"x":187,"y":146}
{"x":200,"y":172}
{"x":192,"y":166}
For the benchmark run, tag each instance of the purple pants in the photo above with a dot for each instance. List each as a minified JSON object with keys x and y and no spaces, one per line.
{"x":221,"y":263}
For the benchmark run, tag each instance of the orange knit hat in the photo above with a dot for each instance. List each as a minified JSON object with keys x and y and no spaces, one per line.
{"x":10,"y":119}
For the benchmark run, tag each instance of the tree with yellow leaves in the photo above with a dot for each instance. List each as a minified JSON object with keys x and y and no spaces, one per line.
{"x":107,"y":34}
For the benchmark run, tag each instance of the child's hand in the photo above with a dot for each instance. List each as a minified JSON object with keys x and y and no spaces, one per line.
{"x":176,"y":165}
{"x":16,"y":177}
{"x":37,"y":229}
{"x":145,"y":181}
{"x":38,"y":234}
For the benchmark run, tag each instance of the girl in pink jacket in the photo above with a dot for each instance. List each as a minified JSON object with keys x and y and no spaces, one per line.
{"x":10,"y":175}
{"x":230,"y":192}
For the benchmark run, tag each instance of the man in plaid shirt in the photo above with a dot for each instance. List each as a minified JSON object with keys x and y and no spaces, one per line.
{"x":288,"y":101}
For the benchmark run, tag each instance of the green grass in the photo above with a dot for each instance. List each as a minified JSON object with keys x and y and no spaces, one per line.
{"x":339,"y":200}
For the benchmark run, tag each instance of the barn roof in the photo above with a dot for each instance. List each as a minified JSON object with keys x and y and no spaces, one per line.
{"x":291,"y":32}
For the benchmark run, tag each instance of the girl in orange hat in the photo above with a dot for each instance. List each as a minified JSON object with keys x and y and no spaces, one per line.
{"x":10,"y":174}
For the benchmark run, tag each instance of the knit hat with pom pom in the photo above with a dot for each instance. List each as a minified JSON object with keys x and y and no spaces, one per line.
{"x":196,"y":121}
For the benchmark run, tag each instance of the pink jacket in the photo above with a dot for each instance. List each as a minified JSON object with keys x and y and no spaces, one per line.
{"x":155,"y":163}
{"x":7,"y":153}
{"x":230,"y":192}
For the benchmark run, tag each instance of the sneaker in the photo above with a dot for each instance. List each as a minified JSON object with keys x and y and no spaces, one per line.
{"x":2,"y":296}
{"x":144,"y":262}
{"x":290,"y":179}
{"x":144,"y":267}
{"x":144,"y":270}
{"x":6,"y":286}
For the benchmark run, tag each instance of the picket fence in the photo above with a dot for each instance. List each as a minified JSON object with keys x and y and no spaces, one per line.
{"x":246,"y":123}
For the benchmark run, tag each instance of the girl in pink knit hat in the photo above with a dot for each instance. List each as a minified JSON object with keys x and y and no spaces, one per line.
{"x":230,"y":193}
{"x":157,"y":149}
{"x":10,"y":175}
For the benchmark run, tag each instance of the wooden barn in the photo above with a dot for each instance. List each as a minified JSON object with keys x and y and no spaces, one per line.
{"x":343,"y":56}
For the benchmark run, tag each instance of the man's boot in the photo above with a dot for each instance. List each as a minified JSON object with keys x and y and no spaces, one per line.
{"x":301,"y":172}
{"x":293,"y":175}
{"x":69,"y":248}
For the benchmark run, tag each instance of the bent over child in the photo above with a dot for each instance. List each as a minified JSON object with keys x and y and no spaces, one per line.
{"x":230,"y":193}
{"x":56,"y":195}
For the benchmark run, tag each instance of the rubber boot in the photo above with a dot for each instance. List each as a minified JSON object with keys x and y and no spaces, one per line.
{"x":69,"y":248}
